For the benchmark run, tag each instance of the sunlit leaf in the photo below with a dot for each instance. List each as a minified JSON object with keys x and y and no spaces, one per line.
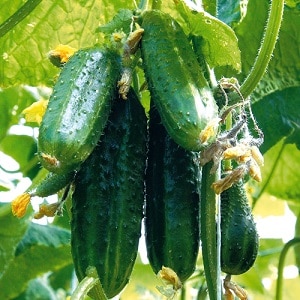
{"x":220,"y":44}
{"x":24,"y":50}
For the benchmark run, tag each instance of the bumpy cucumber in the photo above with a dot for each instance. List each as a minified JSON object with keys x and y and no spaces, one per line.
{"x":78,"y":109}
{"x":172,"y":203}
{"x":179,"y":89}
{"x":239,"y":237}
{"x":51,"y":184}
{"x":107,"y":203}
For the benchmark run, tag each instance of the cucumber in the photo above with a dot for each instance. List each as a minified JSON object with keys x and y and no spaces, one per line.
{"x":51,"y":184}
{"x":239,"y":237}
{"x":175,"y":81}
{"x":107,"y":203}
{"x":78,"y":109}
{"x":172,"y":203}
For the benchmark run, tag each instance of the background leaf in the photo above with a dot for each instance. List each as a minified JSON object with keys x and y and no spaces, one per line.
{"x":278,"y":116}
{"x":12,"y":230}
{"x":12,"y":102}
{"x":24,"y":49}
{"x":283,"y":70}
{"x":220,"y":45}
{"x":42,"y":249}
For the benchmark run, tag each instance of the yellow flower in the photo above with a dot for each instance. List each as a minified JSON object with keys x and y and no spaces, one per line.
{"x":36,"y":111}
{"x":19,"y":205}
{"x":61,"y":54}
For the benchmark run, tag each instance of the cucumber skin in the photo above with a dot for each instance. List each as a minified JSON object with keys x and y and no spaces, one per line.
{"x":172,"y":203}
{"x":108,"y":199}
{"x":239,"y":237}
{"x":52,"y":184}
{"x":78,"y":108}
{"x":176,"y":83}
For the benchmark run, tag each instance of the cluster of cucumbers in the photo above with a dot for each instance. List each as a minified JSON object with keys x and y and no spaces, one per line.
{"x":126,"y":166}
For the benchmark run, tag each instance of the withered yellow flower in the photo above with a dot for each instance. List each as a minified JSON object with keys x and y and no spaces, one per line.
{"x":36,"y":111}
{"x":47,"y":210}
{"x":62,"y":53}
{"x":19,"y":205}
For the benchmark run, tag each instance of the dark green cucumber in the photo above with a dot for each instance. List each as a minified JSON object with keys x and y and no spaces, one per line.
{"x":107,"y":203}
{"x":172,"y":203}
{"x":239,"y":237}
{"x":176,"y":83}
{"x":78,"y":109}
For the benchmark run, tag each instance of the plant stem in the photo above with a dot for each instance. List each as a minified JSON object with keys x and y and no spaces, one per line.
{"x":209,"y":232}
{"x":143,"y":5}
{"x":265,"y":52}
{"x":91,"y":281}
{"x":18,"y":16}
{"x":282,"y":257}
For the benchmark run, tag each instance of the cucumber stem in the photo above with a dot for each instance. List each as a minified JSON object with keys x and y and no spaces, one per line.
{"x":282,"y":257}
{"x":18,"y":16}
{"x":265,"y":52}
{"x":209,"y":233}
{"x":91,"y":281}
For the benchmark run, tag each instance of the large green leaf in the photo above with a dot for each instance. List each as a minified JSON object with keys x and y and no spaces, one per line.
{"x":278,"y":115}
{"x":24,"y":49}
{"x":42,"y":249}
{"x":281,"y":172}
{"x":220,"y":44}
{"x":38,"y":289}
{"x":12,"y":230}
{"x":284,"y":69}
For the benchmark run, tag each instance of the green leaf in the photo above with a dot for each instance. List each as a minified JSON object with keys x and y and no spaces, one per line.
{"x":43,"y":249}
{"x":284,"y":69}
{"x":12,"y":102}
{"x":24,"y":49}
{"x":278,"y":116}
{"x":220,"y":45}
{"x":281,"y":172}
{"x":23,"y":149}
{"x":121,"y":21}
{"x":12,"y":230}
{"x":229,"y":12}
{"x":38,"y":289}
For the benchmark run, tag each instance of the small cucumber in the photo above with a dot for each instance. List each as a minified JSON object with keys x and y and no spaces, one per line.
{"x":175,"y":81}
{"x":239,"y":237}
{"x":172,"y":203}
{"x":51,"y":184}
{"x":78,"y":109}
{"x":107,"y":203}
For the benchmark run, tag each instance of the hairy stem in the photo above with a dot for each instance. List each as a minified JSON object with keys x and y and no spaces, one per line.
{"x":282,"y":257}
{"x":265,"y":52}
